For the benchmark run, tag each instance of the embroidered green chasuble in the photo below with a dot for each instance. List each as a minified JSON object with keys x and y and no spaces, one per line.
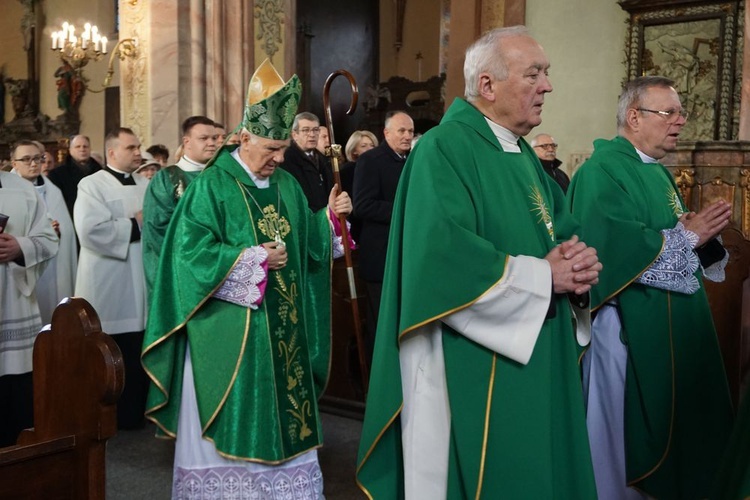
{"x":677,"y":407}
{"x":163,"y":193}
{"x":463,"y":207}
{"x":258,"y":373}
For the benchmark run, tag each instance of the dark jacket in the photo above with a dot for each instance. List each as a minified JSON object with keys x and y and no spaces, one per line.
{"x":376,"y":178}
{"x":313,"y":174}
{"x":67,"y":176}
{"x":552,"y":167}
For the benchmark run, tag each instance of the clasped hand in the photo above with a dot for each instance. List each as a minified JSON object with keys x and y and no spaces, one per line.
{"x":10,"y":249}
{"x":575,"y":267}
{"x":277,"y":255}
{"x":708,"y":222}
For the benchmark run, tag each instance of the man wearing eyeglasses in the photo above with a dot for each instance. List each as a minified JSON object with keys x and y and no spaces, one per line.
{"x":308,"y":165}
{"x":546,"y":149}
{"x":27,"y":243}
{"x":58,"y":280}
{"x":658,"y":406}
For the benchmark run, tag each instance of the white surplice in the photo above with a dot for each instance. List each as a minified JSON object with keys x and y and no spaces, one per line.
{"x":58,"y":280}
{"x":110,"y":267}
{"x":19,"y":312}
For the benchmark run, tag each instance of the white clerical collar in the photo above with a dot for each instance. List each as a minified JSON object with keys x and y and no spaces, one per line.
{"x":507,"y":139}
{"x":644,"y":157}
{"x":261,"y":183}
{"x":126,"y":174}
{"x":189,"y":165}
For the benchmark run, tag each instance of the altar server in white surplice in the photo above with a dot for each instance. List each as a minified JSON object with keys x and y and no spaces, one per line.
{"x":57,"y":281}
{"x":108,"y":219}
{"x":27,"y":243}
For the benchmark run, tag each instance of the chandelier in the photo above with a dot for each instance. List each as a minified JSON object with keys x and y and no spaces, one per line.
{"x":76,"y":51}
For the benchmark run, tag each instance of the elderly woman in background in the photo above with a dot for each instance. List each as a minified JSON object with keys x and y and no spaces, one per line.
{"x":359,"y":142}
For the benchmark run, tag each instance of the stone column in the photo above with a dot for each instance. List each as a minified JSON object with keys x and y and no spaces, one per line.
{"x":195,"y":58}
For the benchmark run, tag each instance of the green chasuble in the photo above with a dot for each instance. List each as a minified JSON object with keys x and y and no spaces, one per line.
{"x":258,"y":373}
{"x":163,"y":193}
{"x":677,"y":408}
{"x":463,"y":207}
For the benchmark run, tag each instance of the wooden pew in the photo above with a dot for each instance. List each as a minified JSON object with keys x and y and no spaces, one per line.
{"x":78,"y":378}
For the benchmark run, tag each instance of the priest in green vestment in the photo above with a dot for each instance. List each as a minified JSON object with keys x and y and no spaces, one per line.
{"x":658,"y":406}
{"x":199,"y":141}
{"x":475,"y":386}
{"x":238,"y":341}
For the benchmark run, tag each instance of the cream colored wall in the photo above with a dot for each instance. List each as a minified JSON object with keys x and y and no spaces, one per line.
{"x":421,"y":33}
{"x":13,"y":58}
{"x":584,"y":41}
{"x":78,"y":12}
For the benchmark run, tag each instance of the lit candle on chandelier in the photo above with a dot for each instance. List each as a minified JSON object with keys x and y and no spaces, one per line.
{"x":54,"y":40}
{"x":104,"y":45}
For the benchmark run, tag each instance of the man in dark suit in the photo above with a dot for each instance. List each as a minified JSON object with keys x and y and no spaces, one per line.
{"x":376,"y":178}
{"x":308,"y":165}
{"x":77,"y":165}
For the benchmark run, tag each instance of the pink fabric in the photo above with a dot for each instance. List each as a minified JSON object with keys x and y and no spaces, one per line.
{"x":337,"y":228}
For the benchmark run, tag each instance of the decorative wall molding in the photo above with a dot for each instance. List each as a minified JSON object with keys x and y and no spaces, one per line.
{"x":135,"y":98}
{"x":269,"y":15}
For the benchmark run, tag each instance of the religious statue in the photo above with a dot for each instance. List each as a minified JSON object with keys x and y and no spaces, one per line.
{"x":19,"y":96}
{"x":70,"y":89}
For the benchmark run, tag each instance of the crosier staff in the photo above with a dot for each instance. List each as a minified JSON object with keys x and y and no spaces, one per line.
{"x":334,"y":152}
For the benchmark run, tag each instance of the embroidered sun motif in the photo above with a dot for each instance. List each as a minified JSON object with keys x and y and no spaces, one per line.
{"x":540,"y":207}
{"x":674,"y":202}
{"x":271,"y":224}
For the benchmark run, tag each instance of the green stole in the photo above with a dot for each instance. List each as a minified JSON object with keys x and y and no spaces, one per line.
{"x":462,"y":208}
{"x":677,"y":407}
{"x":258,"y":373}
{"x":163,"y":192}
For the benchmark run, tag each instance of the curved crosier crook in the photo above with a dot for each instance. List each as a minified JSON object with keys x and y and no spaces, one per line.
{"x":327,"y":102}
{"x":334,"y":151}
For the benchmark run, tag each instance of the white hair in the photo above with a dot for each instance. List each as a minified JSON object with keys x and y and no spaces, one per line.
{"x":535,"y":140}
{"x":486,"y":55}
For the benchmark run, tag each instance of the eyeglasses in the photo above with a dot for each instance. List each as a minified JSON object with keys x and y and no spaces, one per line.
{"x":671,"y":115}
{"x":309,"y":131}
{"x":549,"y":146}
{"x":26,"y":160}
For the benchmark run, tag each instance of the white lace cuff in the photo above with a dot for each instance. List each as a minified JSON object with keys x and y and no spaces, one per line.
{"x":715,"y":272}
{"x":338,"y":246}
{"x":246,"y":284}
{"x":675,"y":266}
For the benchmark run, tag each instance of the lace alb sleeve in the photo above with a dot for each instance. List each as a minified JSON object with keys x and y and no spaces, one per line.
{"x":715,"y":272}
{"x":246,"y":284}
{"x":675,"y":266}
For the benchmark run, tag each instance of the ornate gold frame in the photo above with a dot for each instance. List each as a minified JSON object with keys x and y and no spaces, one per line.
{"x":679,"y":20}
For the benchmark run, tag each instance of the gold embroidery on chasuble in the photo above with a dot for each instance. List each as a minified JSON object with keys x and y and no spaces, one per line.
{"x":272,"y":224}
{"x":539,"y":206}
{"x":293,"y":376}
{"x":674,"y":202}
{"x":288,"y":351}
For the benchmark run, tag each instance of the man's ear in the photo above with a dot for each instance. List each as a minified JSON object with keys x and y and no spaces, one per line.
{"x":486,"y":87}
{"x":633,"y":119}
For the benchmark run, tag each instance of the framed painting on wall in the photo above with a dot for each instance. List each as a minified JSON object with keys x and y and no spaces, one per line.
{"x":699,"y":46}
